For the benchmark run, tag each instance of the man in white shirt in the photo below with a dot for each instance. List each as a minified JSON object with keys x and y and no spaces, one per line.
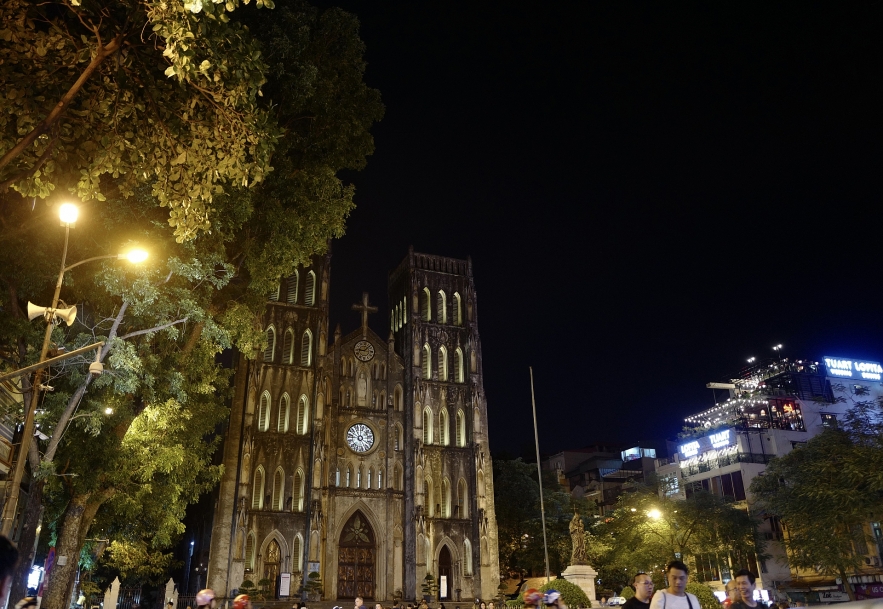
{"x":675,"y":596}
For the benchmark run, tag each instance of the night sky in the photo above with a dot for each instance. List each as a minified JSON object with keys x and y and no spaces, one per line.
{"x":650,"y":193}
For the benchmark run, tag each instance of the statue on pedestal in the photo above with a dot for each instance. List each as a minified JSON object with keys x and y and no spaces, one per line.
{"x":578,"y":536}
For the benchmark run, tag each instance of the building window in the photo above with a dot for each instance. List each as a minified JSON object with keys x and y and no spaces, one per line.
{"x":349,"y":475}
{"x":257,"y":489}
{"x":426,"y":308}
{"x":310,"y":294}
{"x":397,"y":398}
{"x":292,"y":289}
{"x":727,"y":485}
{"x":264,"y":412}
{"x":427,"y":426}
{"x":467,"y":556}
{"x":296,"y":556}
{"x":270,"y":350}
{"x":337,"y":477}
{"x":278,"y":489}
{"x":829,"y":419}
{"x":427,"y":362}
{"x":303,"y":415}
{"x":442,"y":363}
{"x":461,"y":428}
{"x":458,"y":310}
{"x":274,"y":293}
{"x":397,"y":432}
{"x":380,"y":479}
{"x":287,"y":345}
{"x":282,"y":419}
{"x":442,"y":304}
{"x":462,"y":503}
{"x":306,"y":349}
{"x":299,"y":491}
{"x":443,"y":427}
{"x":370,"y":477}
{"x":460,"y":377}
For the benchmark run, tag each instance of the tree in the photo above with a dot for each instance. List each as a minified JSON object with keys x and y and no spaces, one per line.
{"x":646,"y":531}
{"x":519,"y":519}
{"x":204,"y":295}
{"x":824,"y":493}
{"x":705,"y":595}
{"x":141,"y":91}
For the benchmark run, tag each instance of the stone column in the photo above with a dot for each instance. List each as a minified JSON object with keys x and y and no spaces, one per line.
{"x":112,"y":594}
{"x":584,"y":577}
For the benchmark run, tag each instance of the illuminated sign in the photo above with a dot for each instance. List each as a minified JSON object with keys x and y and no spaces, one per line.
{"x":853,"y":369}
{"x":714,"y":441}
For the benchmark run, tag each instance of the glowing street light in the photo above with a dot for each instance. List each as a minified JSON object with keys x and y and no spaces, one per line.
{"x":68,"y":214}
{"x":751,"y":360}
{"x":654,"y":514}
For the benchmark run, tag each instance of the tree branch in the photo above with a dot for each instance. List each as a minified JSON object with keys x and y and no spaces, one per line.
{"x":154,"y":329}
{"x":58,"y":111}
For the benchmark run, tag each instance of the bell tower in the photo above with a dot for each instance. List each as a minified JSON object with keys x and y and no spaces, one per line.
{"x":452,"y":534}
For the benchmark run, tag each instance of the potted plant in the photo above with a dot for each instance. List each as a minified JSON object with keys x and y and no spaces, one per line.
{"x":429,"y":587}
{"x":313,"y":587}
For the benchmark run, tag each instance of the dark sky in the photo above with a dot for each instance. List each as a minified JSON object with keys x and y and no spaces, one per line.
{"x":650,"y":193}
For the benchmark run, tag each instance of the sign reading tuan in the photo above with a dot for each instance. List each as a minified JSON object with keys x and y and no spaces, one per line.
{"x":718,"y":439}
{"x":854,"y":369}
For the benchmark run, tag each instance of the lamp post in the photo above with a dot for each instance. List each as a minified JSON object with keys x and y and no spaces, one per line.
{"x":68,"y":214}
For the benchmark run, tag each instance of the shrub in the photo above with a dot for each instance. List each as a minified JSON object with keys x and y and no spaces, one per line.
{"x":707,"y":599}
{"x":572,"y":595}
{"x":627,"y":592}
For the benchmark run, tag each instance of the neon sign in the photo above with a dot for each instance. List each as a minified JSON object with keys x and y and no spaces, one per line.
{"x":848,"y":368}
{"x":715,"y":441}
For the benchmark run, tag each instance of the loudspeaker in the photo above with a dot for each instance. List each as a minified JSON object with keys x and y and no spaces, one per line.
{"x":68,"y":315}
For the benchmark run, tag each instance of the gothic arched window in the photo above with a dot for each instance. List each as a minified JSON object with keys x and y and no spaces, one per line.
{"x":292,"y":288}
{"x":461,"y":428}
{"x":427,"y":362}
{"x":264,"y":412}
{"x":458,"y":310}
{"x":257,"y":489}
{"x":444,"y":440}
{"x":303,"y":415}
{"x":427,"y":426}
{"x":278,"y":489}
{"x":310,"y":295}
{"x":282,"y":419}
{"x":270,"y":351}
{"x":306,"y":349}
{"x":288,"y":347}
{"x":442,"y":306}
{"x":442,"y":363}
{"x":426,"y":308}
{"x":298,"y":503}
{"x":459,"y":376}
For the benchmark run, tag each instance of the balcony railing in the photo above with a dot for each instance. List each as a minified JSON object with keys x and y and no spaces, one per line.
{"x":725,"y":460}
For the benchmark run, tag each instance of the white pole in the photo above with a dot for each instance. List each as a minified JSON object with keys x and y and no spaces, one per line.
{"x":536,"y":438}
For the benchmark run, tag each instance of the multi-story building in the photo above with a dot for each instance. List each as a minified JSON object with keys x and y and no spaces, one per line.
{"x":601,"y":473}
{"x":772,"y":408}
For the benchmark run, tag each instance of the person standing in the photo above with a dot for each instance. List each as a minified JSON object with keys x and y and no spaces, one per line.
{"x":643,"y":585}
{"x":360,"y":602}
{"x":732,"y":594}
{"x":745,"y":586}
{"x":676,"y":595}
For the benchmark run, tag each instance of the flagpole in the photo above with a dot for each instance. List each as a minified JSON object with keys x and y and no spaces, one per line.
{"x":536,"y":438}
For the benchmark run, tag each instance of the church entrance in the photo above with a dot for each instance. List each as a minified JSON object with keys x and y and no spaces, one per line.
{"x":445,"y":574}
{"x":356,"y":554}
{"x":271,"y":566}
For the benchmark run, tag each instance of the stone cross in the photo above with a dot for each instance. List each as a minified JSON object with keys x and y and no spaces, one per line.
{"x":365,"y":308}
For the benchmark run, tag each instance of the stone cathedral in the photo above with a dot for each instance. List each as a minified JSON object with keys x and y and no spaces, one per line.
{"x":360,"y":457}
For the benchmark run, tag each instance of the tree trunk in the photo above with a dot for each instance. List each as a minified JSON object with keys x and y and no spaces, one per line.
{"x":27,"y":543}
{"x":75,"y":525}
{"x":846,"y":585}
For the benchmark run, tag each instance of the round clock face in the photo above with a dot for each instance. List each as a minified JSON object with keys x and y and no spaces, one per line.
{"x":360,"y":438}
{"x":364,"y":350}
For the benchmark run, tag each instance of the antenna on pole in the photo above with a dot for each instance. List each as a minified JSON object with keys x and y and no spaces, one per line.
{"x":536,"y":438}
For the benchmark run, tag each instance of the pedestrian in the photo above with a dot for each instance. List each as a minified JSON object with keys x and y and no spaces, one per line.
{"x":732,"y":594}
{"x":360,"y":602}
{"x":603,"y":601}
{"x":533,"y":598}
{"x":745,"y":586}
{"x":643,"y":586}
{"x":490,"y":605}
{"x":378,"y":606}
{"x":676,"y":595}
{"x":553,"y":599}
{"x":205,"y":599}
{"x":242,"y":602}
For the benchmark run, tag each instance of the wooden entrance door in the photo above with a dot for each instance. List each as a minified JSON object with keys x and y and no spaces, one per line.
{"x":445,"y":575}
{"x":271,"y":566}
{"x":356,"y":553}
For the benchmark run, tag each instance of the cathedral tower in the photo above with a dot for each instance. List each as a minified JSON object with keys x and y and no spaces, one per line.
{"x":453,"y":532}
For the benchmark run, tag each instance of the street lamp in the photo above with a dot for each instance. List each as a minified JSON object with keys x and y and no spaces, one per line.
{"x":68,"y":214}
{"x":654,"y":514}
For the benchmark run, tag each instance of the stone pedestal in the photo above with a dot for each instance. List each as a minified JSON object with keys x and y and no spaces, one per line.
{"x":584,"y":577}
{"x":112,"y":594}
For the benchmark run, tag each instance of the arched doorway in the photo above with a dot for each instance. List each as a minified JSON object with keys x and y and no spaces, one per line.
{"x":356,"y":554}
{"x":271,"y":566}
{"x":445,"y":574}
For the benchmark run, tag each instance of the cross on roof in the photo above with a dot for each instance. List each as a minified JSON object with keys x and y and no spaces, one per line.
{"x":365,"y":308}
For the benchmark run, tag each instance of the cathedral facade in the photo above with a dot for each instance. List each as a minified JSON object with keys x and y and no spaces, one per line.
{"x":364,"y":459}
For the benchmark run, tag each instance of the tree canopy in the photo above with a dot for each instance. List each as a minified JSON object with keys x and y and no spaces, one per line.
{"x":825,"y":492}
{"x":126,"y":452}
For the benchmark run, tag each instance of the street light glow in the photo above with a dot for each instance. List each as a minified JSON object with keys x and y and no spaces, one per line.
{"x":108,"y":410}
{"x":68,"y":213}
{"x":654,"y":513}
{"x":135,"y":256}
